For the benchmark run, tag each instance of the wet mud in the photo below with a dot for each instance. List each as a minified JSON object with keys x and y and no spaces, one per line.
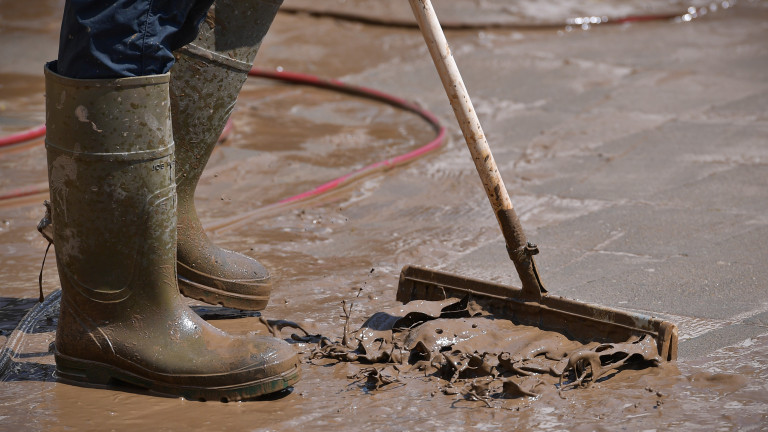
{"x":456,"y":392}
{"x":567,"y":111}
{"x":472,"y":352}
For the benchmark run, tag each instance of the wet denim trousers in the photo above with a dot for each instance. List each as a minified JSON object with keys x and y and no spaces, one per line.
{"x":125,"y":38}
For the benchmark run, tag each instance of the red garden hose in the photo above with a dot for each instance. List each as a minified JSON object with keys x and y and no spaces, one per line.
{"x":20,"y":137}
{"x":289,"y":77}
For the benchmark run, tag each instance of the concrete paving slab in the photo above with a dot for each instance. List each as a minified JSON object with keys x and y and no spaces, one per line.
{"x":716,"y":339}
{"x":739,"y":188}
{"x":641,"y":165}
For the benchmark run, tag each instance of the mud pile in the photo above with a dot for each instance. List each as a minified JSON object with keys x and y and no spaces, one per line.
{"x":469,"y":351}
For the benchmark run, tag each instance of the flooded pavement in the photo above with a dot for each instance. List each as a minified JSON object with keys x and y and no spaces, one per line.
{"x":635,"y":155}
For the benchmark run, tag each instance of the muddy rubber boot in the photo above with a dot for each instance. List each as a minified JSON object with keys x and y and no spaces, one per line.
{"x":205,"y":81}
{"x":113,"y":196}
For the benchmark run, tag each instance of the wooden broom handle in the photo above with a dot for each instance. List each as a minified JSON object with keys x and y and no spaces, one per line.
{"x":462,"y":105}
{"x":519,"y":251}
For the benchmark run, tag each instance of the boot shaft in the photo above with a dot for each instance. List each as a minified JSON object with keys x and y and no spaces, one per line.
{"x":207,"y":78}
{"x":234,"y":29}
{"x":111,"y":175}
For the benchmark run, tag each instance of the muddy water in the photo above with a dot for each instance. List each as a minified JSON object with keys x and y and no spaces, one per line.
{"x":431,"y":212}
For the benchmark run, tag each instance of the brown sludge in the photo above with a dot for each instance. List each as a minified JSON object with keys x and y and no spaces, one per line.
{"x":471,"y":352}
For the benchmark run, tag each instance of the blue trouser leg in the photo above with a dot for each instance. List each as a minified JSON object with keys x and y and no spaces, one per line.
{"x":124,"y":38}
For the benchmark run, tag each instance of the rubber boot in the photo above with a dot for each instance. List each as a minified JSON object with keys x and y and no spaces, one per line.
{"x":205,"y":81}
{"x":113,"y":196}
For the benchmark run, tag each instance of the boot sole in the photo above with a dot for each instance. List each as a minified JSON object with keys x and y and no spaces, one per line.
{"x":93,"y":374}
{"x":215,"y":296}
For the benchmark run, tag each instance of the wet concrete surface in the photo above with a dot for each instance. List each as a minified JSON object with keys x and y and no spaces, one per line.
{"x":635,"y":155}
